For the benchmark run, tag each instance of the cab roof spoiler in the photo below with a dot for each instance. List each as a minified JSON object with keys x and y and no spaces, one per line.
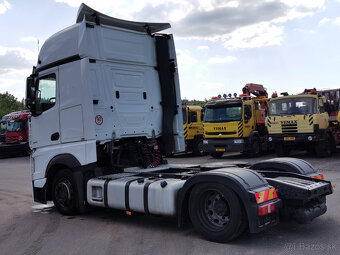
{"x":87,"y":13}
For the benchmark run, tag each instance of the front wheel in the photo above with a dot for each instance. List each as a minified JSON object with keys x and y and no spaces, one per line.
{"x":198,"y":148}
{"x":255,"y":147}
{"x":281,"y":150}
{"x":64,"y":192}
{"x":324,"y":148}
{"x":215,"y":212}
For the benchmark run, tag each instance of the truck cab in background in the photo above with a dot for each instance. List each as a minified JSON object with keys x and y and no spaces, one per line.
{"x":193,"y":128}
{"x":300,"y":122}
{"x":17,"y":127}
{"x":236,"y":124}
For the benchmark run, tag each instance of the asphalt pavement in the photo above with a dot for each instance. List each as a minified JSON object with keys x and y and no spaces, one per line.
{"x":30,"y":228}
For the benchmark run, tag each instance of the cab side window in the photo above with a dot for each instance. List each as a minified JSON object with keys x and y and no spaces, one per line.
{"x":193,"y":116}
{"x":46,"y":93}
{"x":247,"y":113}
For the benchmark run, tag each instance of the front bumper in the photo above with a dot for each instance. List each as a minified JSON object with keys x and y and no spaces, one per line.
{"x":224,"y":145}
{"x":294,"y":138}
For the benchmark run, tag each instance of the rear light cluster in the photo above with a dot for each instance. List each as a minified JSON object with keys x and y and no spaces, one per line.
{"x":265,"y":196}
{"x":319,"y":176}
{"x":266,"y":209}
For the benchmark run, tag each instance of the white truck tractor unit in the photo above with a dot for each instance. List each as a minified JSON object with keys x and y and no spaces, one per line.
{"x":106,"y":106}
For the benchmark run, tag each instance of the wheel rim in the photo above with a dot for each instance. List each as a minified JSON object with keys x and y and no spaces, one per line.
{"x":214,"y":210}
{"x":63,"y":192}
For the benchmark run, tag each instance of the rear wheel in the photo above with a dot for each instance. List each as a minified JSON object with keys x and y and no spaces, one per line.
{"x":216,"y":154}
{"x":216,"y":212}
{"x":64,"y":192}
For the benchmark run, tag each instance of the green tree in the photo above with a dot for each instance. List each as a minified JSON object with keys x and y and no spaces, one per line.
{"x":9,"y":103}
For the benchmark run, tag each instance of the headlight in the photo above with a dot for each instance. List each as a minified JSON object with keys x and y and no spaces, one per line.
{"x":310,"y":138}
{"x":238,"y":141}
{"x":270,"y":139}
{"x":205,"y":141}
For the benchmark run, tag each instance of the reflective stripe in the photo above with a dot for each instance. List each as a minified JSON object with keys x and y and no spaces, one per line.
{"x":265,"y":195}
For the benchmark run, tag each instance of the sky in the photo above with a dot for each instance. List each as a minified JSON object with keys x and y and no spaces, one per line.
{"x":286,"y":45}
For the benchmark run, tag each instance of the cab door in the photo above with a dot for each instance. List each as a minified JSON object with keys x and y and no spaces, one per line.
{"x":194,"y":126}
{"x":248,"y":118}
{"x":45,"y":127}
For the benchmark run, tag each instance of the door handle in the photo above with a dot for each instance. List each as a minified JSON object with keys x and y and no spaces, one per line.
{"x":55,"y":136}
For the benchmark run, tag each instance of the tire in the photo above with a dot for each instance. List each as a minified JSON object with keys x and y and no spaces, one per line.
{"x":324,"y":148}
{"x":216,"y":212}
{"x":64,"y":192}
{"x":198,"y":147}
{"x":281,"y":150}
{"x":216,"y":154}
{"x":255,"y":147}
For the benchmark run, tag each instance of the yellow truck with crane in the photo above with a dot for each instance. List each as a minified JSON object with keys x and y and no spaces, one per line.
{"x":193,"y":128}
{"x":303,"y":122}
{"x":236,"y":124}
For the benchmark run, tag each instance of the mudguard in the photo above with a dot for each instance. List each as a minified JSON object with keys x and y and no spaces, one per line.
{"x":291,"y":165}
{"x":244,"y":182}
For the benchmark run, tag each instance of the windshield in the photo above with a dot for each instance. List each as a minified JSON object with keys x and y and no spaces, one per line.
{"x":14,"y":126}
{"x":223,"y":114}
{"x":289,"y":106}
{"x":3,"y":127}
{"x":184,"y":113}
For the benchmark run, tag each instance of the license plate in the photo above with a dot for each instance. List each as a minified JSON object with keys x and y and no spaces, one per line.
{"x":289,"y":138}
{"x":220,"y":149}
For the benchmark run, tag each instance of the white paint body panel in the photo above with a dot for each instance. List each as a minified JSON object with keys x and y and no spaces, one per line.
{"x":121,"y":60}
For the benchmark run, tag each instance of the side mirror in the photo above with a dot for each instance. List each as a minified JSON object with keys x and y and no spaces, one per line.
{"x":30,"y":92}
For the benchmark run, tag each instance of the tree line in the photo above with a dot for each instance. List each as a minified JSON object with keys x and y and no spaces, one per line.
{"x":9,"y":103}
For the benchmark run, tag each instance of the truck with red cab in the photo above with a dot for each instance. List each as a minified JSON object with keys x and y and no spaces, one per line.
{"x":15,"y":134}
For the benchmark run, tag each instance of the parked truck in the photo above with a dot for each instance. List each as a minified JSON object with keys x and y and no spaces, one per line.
{"x":105,"y":87}
{"x":193,"y":128}
{"x":15,"y":134}
{"x":303,"y":122}
{"x":236,"y":124}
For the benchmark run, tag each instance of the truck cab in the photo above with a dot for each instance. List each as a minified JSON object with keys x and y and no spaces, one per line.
{"x":234,"y":125}
{"x":299,"y":122}
{"x":193,"y":128}
{"x":17,"y":127}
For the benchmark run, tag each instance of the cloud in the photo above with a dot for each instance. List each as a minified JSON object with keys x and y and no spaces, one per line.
{"x":203,"y":47}
{"x":29,"y":39}
{"x":211,"y":85}
{"x":4,"y":6}
{"x":16,"y":59}
{"x":324,"y":21}
{"x":217,"y":20}
{"x":337,"y":21}
{"x":254,"y":36}
{"x":184,"y":59}
{"x":216,"y":60}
